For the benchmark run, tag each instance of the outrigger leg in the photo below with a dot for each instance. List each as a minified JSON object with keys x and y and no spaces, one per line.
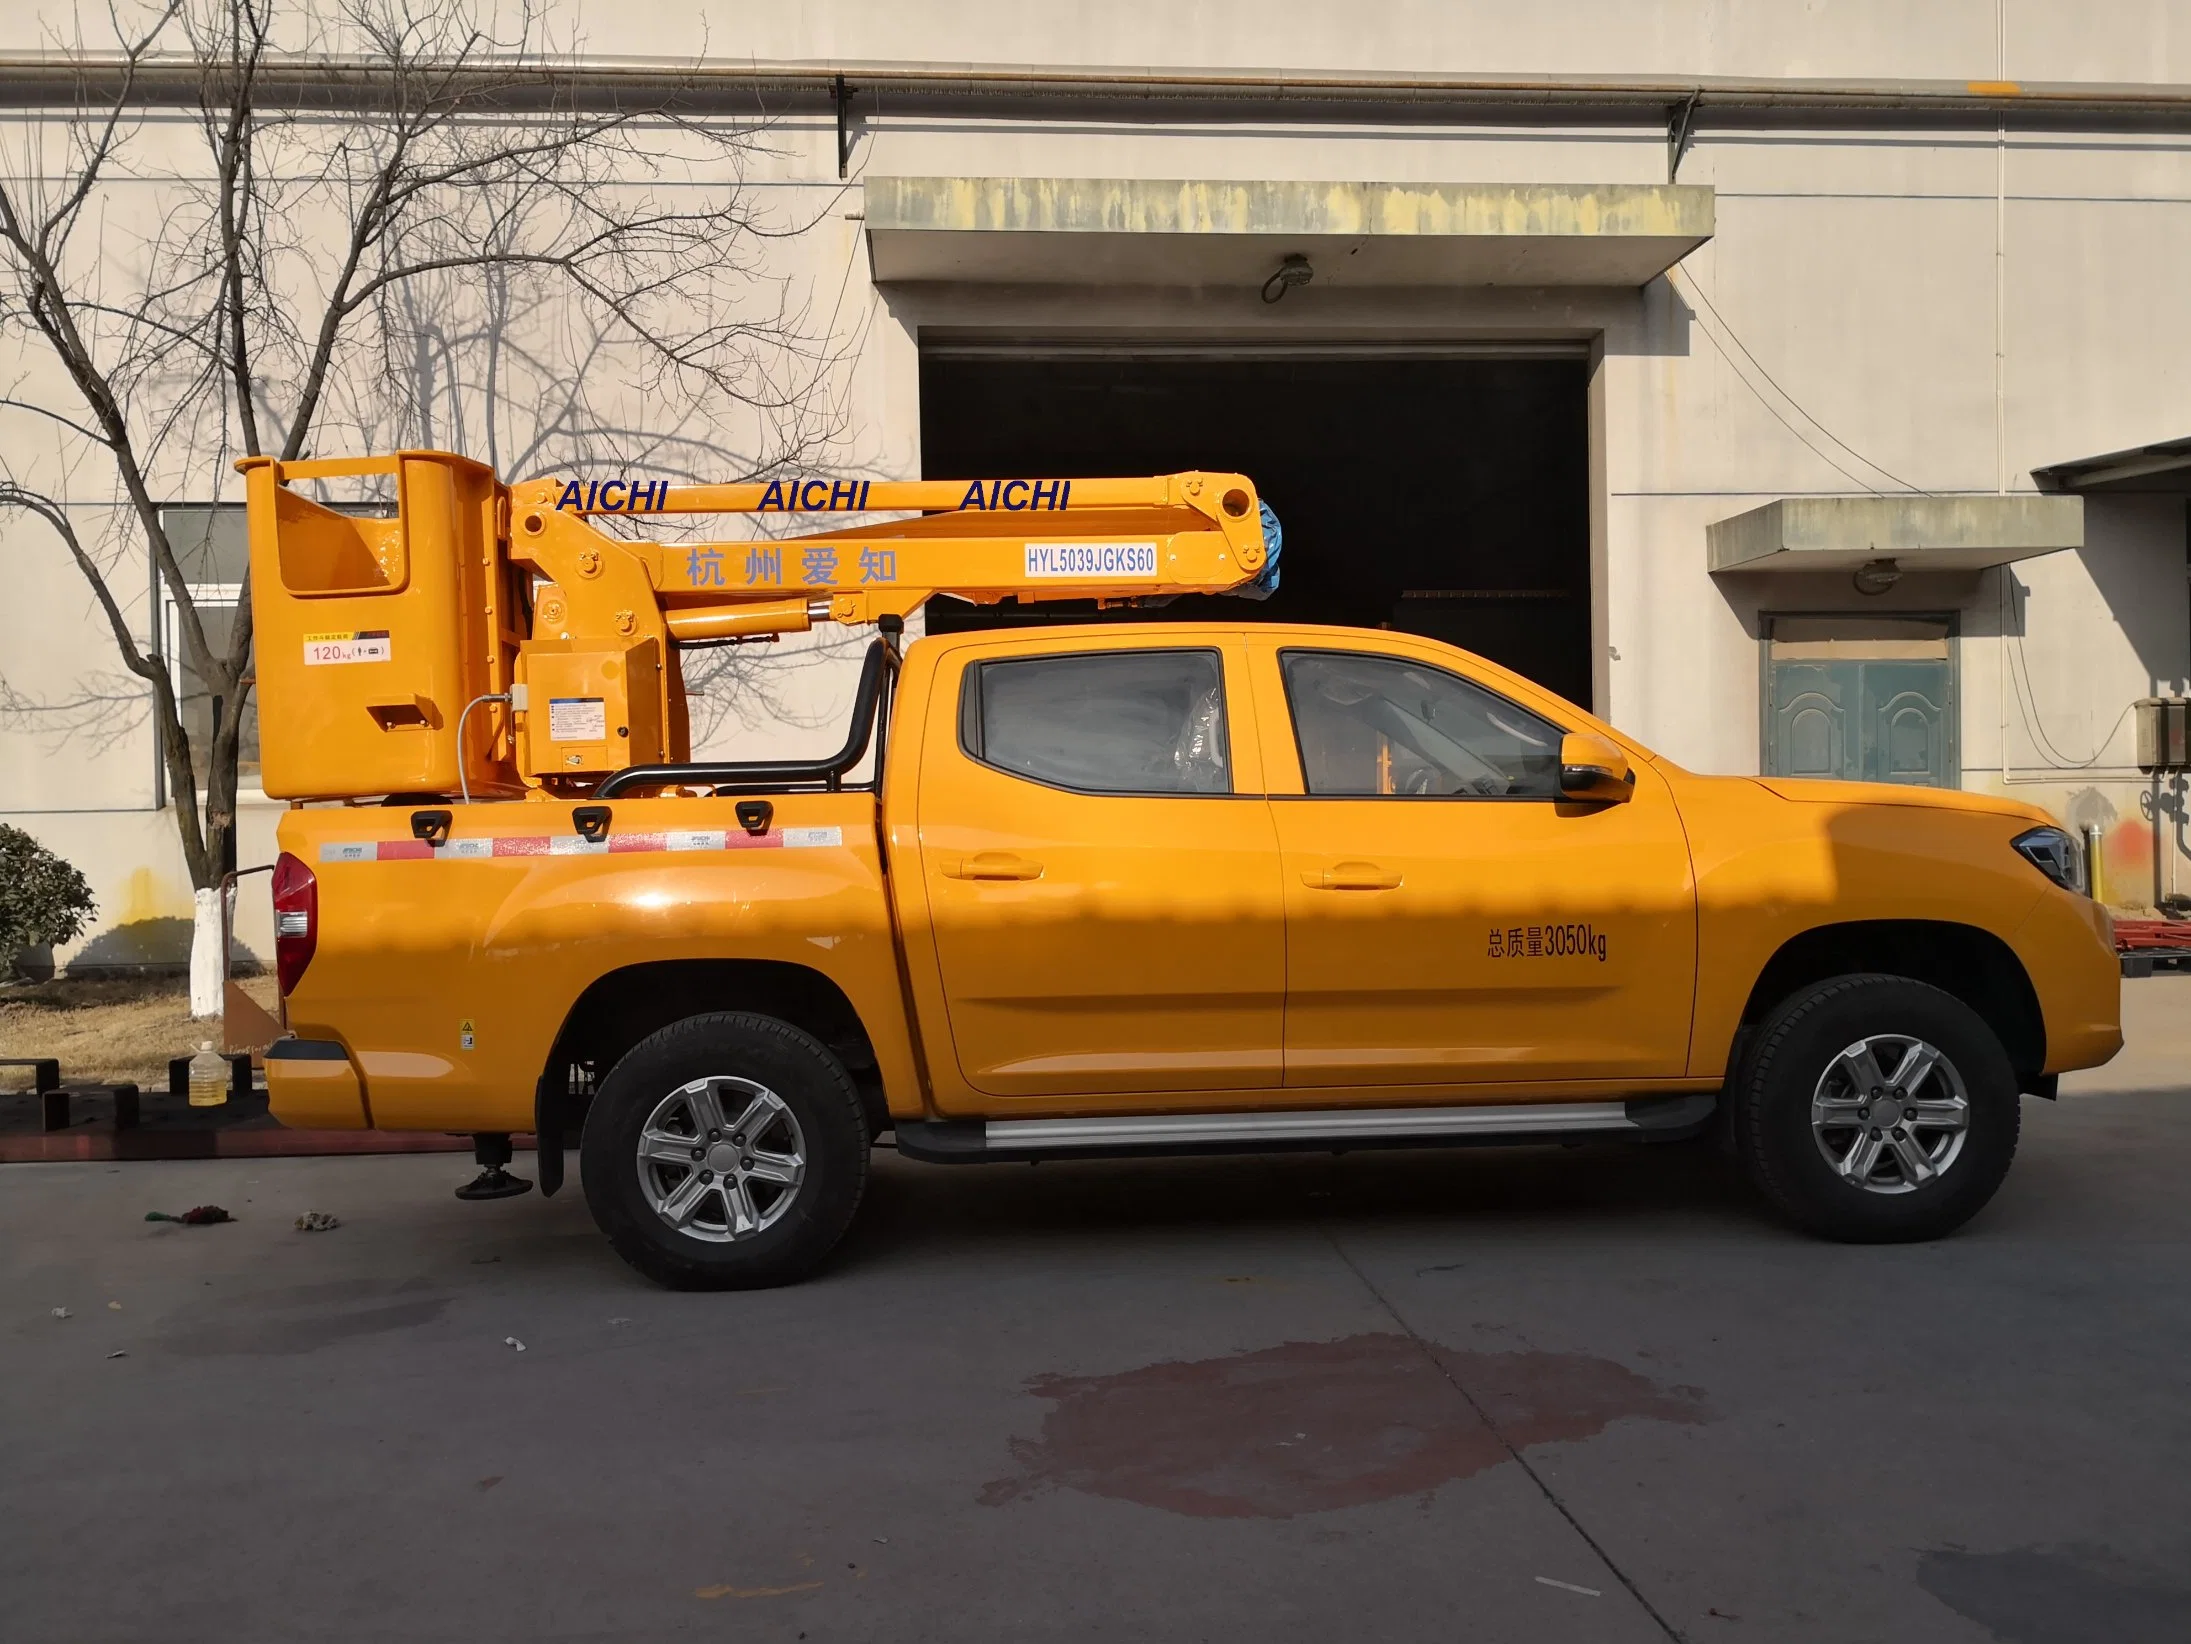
{"x":492,"y":1150}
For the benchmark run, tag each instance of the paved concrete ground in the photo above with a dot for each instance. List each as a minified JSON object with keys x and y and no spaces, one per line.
{"x":1546,"y":1395}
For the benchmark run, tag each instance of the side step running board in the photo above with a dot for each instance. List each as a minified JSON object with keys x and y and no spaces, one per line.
{"x":971,"y":1141}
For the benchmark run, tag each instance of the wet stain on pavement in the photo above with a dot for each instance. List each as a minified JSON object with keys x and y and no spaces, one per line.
{"x":1310,"y":1426}
{"x":302,"y":1318}
{"x":2028,"y":1596}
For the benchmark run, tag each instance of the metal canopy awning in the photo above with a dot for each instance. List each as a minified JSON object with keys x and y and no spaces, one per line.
{"x":1918,"y":533}
{"x":2163,"y":468}
{"x":1097,"y":231}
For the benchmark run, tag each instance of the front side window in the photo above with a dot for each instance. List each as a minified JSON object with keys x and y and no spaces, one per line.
{"x":1102,"y":721}
{"x":1382,"y":725}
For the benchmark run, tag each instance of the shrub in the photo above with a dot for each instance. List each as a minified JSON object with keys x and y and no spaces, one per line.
{"x":43,"y":901}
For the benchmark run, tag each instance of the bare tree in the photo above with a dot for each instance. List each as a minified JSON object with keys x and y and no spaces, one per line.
{"x":392,"y":221}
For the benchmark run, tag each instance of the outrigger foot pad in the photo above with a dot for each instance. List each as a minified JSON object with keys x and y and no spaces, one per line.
{"x":494,"y":1184}
{"x":492,"y":1150}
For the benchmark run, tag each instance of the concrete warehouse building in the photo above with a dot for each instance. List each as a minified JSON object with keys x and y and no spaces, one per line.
{"x":1804,"y":387}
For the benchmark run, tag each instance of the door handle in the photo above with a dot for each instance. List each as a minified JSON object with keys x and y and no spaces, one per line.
{"x":991,"y":865}
{"x":1352,"y":876}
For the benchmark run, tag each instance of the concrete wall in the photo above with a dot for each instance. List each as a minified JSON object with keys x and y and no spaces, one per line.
{"x":1927,"y":309}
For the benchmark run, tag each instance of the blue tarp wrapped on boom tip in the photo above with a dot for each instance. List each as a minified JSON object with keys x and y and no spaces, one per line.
{"x":1274,"y":538}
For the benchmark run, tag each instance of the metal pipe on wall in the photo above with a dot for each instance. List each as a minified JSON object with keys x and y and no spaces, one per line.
{"x":39,"y":81}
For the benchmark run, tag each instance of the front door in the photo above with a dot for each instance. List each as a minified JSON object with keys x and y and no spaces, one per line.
{"x":1450,"y":919}
{"x":1105,"y":904}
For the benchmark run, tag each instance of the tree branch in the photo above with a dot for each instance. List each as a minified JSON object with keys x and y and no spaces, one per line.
{"x":454,"y":259}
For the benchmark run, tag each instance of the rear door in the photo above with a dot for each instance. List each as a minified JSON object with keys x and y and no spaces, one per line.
{"x":1101,"y":869}
{"x":1450,"y":919}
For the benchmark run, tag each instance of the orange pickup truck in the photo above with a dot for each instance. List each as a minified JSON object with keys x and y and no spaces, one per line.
{"x":1163,"y":888}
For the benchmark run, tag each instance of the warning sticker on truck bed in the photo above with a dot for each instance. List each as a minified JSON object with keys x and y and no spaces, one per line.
{"x":367,"y":645}
{"x":578,"y":719}
{"x":1092,"y":561}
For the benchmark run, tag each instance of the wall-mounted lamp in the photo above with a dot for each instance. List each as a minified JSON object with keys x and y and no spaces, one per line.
{"x":1293,"y":271}
{"x":1877,"y":576}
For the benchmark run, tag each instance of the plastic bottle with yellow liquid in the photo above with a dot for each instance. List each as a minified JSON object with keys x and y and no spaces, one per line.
{"x":208,"y":1077}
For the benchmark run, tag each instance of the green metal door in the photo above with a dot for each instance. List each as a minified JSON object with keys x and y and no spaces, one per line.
{"x":1868,"y":701}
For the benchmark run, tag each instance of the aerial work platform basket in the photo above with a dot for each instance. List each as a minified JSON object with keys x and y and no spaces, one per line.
{"x":490,"y":640}
{"x":371,"y":634}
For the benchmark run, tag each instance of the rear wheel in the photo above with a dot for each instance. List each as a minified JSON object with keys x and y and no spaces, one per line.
{"x":1875,"y":1109}
{"x":726,"y":1151}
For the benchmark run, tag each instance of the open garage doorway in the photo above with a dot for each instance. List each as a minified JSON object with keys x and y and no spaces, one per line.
{"x":1439,"y":494}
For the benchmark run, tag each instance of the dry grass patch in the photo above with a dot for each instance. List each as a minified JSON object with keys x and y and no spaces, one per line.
{"x":107,"y":1031}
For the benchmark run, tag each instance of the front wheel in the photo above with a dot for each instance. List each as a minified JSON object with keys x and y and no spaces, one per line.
{"x":725,"y":1152}
{"x":1875,"y":1109}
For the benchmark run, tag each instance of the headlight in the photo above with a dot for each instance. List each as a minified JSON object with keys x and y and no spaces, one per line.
{"x":2056,"y":854}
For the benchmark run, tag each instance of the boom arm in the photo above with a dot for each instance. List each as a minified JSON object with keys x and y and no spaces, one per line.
{"x":510,"y":598}
{"x":982,"y":540}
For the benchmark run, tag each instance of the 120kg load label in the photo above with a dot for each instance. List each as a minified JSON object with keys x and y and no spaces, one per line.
{"x":367,"y":645}
{"x":1547,"y":942}
{"x":1092,"y":561}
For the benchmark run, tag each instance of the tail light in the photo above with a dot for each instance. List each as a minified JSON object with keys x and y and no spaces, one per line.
{"x":296,"y":920}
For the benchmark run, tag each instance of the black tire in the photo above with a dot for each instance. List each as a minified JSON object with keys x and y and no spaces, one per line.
{"x":826,"y":1131}
{"x":1795,"y":1057}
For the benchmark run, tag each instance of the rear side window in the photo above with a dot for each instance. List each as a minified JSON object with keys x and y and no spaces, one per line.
{"x":1102,"y":721}
{"x":1377,"y":725}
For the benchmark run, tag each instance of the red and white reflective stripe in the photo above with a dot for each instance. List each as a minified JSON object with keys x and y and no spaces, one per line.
{"x":570,"y":844}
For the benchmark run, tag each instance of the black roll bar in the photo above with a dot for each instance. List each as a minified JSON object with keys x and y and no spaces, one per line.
{"x":876,"y":671}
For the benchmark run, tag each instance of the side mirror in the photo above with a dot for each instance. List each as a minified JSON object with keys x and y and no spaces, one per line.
{"x":1594,"y":770}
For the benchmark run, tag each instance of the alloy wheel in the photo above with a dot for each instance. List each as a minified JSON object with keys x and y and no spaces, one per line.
{"x":1890,"y":1113}
{"x":721,"y":1159}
